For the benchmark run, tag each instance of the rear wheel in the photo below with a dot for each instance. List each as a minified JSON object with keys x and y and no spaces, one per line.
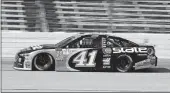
{"x":124,"y":63}
{"x":43,"y":62}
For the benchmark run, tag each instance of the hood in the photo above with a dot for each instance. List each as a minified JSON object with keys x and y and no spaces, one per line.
{"x":48,"y":46}
{"x":43,"y":46}
{"x":38,"y":47}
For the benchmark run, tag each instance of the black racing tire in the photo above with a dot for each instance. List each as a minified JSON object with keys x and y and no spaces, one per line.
{"x":43,"y":62}
{"x":124,"y":63}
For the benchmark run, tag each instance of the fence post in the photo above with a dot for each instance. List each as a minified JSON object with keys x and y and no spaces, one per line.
{"x":42,"y":16}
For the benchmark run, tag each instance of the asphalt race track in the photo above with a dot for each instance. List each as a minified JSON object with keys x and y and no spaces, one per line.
{"x":152,"y":79}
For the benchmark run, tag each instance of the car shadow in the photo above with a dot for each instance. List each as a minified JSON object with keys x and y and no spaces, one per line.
{"x":153,"y":70}
{"x":145,"y":70}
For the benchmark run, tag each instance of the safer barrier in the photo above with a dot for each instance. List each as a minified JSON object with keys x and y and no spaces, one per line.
{"x":13,"y":41}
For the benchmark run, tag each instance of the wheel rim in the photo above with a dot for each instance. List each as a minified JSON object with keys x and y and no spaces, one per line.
{"x":43,"y":62}
{"x":123,"y":64}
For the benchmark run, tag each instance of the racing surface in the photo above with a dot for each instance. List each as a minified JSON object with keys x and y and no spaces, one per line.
{"x":152,"y":79}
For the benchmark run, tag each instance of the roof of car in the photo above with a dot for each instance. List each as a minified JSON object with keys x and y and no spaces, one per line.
{"x":107,"y":34}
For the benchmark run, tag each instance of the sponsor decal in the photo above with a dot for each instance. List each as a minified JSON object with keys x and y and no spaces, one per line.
{"x":107,"y":50}
{"x":106,"y":66}
{"x":61,"y":58}
{"x":59,"y":54}
{"x":58,"y":49}
{"x":106,"y":61}
{"x":130,"y":50}
{"x":142,"y":54}
{"x":151,"y":57}
{"x":68,"y":51}
{"x":27,"y":64}
{"x":103,"y":42}
{"x":106,"y":56}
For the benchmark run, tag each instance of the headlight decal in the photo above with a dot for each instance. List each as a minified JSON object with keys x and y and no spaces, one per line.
{"x":151,"y":51}
{"x":24,"y":54}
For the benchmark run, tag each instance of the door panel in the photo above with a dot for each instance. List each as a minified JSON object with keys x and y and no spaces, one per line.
{"x":83,"y":53}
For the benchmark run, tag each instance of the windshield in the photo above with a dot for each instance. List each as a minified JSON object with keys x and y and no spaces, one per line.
{"x":65,"y":41}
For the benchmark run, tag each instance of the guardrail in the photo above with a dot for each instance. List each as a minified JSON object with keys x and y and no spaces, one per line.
{"x":14,"y":41}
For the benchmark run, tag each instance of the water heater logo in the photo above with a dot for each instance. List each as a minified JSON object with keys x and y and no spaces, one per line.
{"x":130,"y":50}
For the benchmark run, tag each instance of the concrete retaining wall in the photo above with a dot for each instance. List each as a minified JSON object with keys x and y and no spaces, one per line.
{"x":13,"y":41}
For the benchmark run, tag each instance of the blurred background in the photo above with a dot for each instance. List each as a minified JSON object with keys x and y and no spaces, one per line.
{"x":148,"y":16}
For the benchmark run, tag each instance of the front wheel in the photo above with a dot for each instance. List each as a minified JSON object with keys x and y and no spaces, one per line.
{"x":124,"y":63}
{"x":43,"y":62}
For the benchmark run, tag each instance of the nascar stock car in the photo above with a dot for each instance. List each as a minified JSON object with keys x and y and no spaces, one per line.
{"x":87,"y":52}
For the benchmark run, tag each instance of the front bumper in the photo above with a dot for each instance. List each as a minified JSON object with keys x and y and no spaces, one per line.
{"x":22,"y":63}
{"x":151,"y":61}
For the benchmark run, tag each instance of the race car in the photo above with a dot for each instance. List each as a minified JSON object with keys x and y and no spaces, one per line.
{"x":87,"y":52}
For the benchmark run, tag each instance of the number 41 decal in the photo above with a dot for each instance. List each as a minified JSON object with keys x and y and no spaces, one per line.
{"x":81,"y":59}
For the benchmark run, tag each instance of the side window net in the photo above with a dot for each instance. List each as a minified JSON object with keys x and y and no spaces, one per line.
{"x":112,"y":43}
{"x":122,"y":42}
